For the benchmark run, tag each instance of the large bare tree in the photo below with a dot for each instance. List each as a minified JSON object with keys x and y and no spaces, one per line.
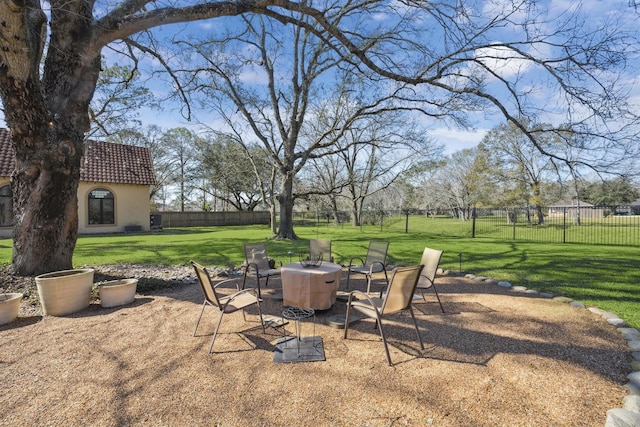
{"x":302,"y":75}
{"x":451,"y":57}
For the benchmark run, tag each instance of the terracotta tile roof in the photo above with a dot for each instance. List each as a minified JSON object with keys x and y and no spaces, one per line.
{"x":116,"y":163}
{"x":102,"y":162}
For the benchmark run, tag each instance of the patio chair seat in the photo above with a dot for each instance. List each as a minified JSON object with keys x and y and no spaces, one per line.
{"x":398,"y":298}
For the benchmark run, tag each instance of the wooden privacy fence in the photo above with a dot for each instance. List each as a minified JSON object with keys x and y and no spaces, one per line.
{"x":204,"y":219}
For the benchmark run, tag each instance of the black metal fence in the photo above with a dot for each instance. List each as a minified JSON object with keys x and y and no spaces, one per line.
{"x":608,"y":225}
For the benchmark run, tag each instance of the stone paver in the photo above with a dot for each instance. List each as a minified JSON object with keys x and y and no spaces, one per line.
{"x":616,"y":321}
{"x":619,"y":417}
{"x":634,"y":378}
{"x":629,"y":333}
{"x":631,"y":403}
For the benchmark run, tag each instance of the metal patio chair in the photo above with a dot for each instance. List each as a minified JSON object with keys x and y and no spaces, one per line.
{"x":375,"y":262}
{"x":258,"y":264}
{"x":431,"y":261}
{"x":226,"y":304}
{"x":398,"y":298}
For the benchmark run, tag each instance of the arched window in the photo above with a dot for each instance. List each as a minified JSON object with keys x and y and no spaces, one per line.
{"x":6,"y":206}
{"x":101,"y":207}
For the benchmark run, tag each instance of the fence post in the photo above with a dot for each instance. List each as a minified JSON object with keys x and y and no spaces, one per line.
{"x":564,"y":225}
{"x":473,"y":222}
{"x":515,"y":219}
{"x":406,"y":221}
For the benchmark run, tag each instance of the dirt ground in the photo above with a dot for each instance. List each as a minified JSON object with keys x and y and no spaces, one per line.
{"x":495,"y":358}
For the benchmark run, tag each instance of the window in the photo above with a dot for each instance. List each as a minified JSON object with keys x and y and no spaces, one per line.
{"x":101,"y":207}
{"x":6,"y":206}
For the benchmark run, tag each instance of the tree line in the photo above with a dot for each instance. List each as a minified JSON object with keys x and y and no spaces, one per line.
{"x":307,"y":82}
{"x":215,"y":172}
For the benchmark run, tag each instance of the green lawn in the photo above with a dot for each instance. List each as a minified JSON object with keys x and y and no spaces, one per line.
{"x":604,"y":276}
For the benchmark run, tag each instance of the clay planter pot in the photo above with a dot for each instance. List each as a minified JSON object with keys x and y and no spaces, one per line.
{"x":9,"y":306}
{"x":117,"y":292}
{"x":65,"y":292}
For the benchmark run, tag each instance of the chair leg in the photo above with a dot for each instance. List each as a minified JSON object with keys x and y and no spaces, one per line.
{"x":415,"y":323}
{"x":258,"y":284}
{"x":244,"y":278}
{"x":260,"y":315}
{"x":384,"y":341}
{"x":215,"y":333}
{"x":438,"y":296}
{"x":346,"y":320}
{"x":368,"y":283}
{"x":348,"y":277}
{"x":204,"y":304}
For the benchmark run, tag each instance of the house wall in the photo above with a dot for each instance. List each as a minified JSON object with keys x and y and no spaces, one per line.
{"x":131,"y":208}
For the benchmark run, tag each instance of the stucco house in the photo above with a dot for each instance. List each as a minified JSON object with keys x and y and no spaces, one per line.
{"x":114,"y":189}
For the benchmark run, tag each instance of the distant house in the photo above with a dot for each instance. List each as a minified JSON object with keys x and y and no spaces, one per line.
{"x":114,"y":189}
{"x":570,"y":208}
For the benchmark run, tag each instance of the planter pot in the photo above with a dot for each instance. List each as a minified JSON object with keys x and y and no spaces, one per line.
{"x":9,"y":306}
{"x":65,"y":292}
{"x":117,"y":292}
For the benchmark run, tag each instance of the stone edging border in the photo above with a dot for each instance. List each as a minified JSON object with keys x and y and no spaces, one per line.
{"x":629,"y":414}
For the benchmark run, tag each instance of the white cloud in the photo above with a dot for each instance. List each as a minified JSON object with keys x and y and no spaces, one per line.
{"x":503,"y":61}
{"x":455,"y":139}
{"x":253,"y":75}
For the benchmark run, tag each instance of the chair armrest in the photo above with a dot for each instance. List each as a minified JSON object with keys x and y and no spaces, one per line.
{"x":222,"y":282}
{"x":363,"y":294}
{"x":422,"y":277}
{"x":252,"y":265}
{"x":382,"y":266}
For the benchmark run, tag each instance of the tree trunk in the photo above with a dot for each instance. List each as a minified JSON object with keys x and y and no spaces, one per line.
{"x":46,"y":209}
{"x":334,"y":211}
{"x":44,"y":184}
{"x":285,"y":200}
{"x":540,"y":215}
{"x":272,"y":218}
{"x":48,"y":115}
{"x":355,"y":215}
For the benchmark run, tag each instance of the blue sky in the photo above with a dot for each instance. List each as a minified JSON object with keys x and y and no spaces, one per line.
{"x":452,"y":138}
